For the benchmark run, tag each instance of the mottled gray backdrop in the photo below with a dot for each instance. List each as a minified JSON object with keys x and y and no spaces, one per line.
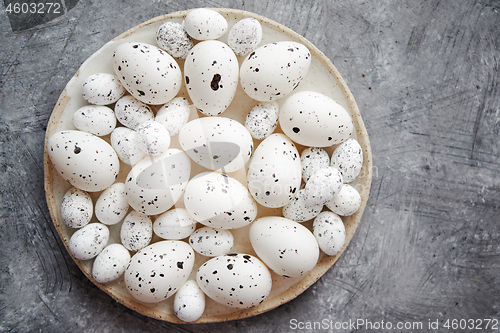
{"x":425,"y":75}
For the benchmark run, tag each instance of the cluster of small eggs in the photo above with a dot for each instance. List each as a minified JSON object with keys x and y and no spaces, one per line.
{"x":160,"y":175}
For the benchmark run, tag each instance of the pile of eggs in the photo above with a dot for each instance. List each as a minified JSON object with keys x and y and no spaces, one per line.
{"x":132,"y":118}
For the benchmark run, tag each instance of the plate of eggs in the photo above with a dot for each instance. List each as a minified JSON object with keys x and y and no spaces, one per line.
{"x":207,"y":165}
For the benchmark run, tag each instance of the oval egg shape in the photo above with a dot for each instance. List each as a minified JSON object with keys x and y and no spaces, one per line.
{"x":211,"y":242}
{"x":95,"y":119}
{"x":238,"y":280}
{"x":87,"y":242}
{"x":76,"y":208}
{"x":174,"y":224}
{"x":204,"y":24}
{"x":189,"y":302}
{"x":86,"y":161}
{"x":102,"y":89}
{"x":274,"y":172}
{"x":157,"y":271}
{"x":285,"y":246}
{"x":136,"y":231}
{"x":346,"y":202}
{"x":111,"y":263}
{"x":126,"y":144}
{"x":147,"y":72}
{"x":211,"y":75}
{"x":274,"y":70}
{"x":112,"y":205}
{"x":348,"y":158}
{"x":217,"y":143}
{"x":329,"y":230}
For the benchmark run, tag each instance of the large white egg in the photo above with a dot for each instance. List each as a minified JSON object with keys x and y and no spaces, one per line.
{"x":313,"y":119}
{"x":274,"y":172}
{"x":211,"y":75}
{"x":217,"y":143}
{"x":273,"y":70}
{"x":86,"y":161}
{"x":238,"y":280}
{"x":219,"y":201}
{"x":147,"y":72}
{"x":285,"y":246}
{"x":157,"y":271}
{"x":157,"y":182}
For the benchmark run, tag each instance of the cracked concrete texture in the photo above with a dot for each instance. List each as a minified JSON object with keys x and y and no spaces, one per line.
{"x":425,"y":75}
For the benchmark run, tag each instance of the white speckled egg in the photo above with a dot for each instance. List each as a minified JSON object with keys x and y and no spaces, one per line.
{"x":153,"y":138}
{"x":157,"y":182}
{"x":348,"y":158}
{"x":286,"y":247}
{"x":219,"y":201}
{"x":147,"y":72}
{"x":87,"y":242}
{"x":262,"y":120}
{"x":238,"y":280}
{"x":274,"y":172}
{"x":111,"y":263}
{"x":95,"y":119}
{"x":244,"y":36}
{"x":172,"y":37}
{"x":346,"y":202}
{"x":189,"y":302}
{"x":329,"y":231}
{"x":174,"y":115}
{"x":86,"y":161}
{"x":313,"y":119}
{"x":204,"y":24}
{"x":157,"y":271}
{"x":273,"y":70}
{"x":312,"y":159}
{"x":112,"y":205}
{"x":217,"y":143}
{"x":102,"y":89}
{"x":299,"y":211}
{"x":131,"y":112}
{"x":136,"y":231}
{"x":211,"y":76}
{"x":125,"y":142}
{"x":211,"y":242}
{"x":76,"y":208}
{"x":322,"y":186}
{"x":174,"y":224}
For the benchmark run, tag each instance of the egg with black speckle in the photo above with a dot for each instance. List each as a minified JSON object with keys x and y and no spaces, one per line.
{"x":205,"y":24}
{"x":211,"y":242}
{"x":348,"y":158}
{"x":102,"y":89}
{"x":99,"y":120}
{"x":173,"y":38}
{"x":312,"y":159}
{"x":174,"y":224}
{"x":329,"y":230}
{"x":136,"y":231}
{"x":189,"y":302}
{"x":322,"y":186}
{"x":153,"y":138}
{"x":245,"y":36}
{"x":346,"y":202}
{"x":299,"y":211}
{"x":111,"y":263}
{"x":76,"y":208}
{"x":126,"y":144}
{"x":112,"y":205}
{"x":262,"y":120}
{"x":131,"y":112}
{"x":86,"y":243}
{"x":174,"y":115}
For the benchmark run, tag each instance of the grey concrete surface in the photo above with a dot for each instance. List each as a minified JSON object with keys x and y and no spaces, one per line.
{"x":425,"y":75}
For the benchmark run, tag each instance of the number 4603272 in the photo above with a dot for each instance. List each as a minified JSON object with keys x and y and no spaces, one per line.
{"x":33,"y":8}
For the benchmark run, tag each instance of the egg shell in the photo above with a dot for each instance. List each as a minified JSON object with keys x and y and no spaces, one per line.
{"x":217,"y":143}
{"x":111,"y":263}
{"x":211,"y":242}
{"x":274,"y":70}
{"x":299,"y":211}
{"x":102,"y":89}
{"x":219,"y":201}
{"x":86,"y":243}
{"x":322,"y":186}
{"x":76,"y":208}
{"x":147,"y":72}
{"x":189,"y":302}
{"x":112,"y":205}
{"x":286,"y":247}
{"x":86,"y":161}
{"x":174,"y":115}
{"x":245,"y":36}
{"x":157,"y":271}
{"x":329,"y":231}
{"x":211,"y":75}
{"x":346,"y":202}
{"x":153,"y":138}
{"x":157,"y":182}
{"x":262,"y":120}
{"x":238,"y":280}
{"x":274,"y":171}
{"x":348,"y":158}
{"x":174,"y":224}
{"x":136,"y":231}
{"x":95,"y":119}
{"x":313,"y":119}
{"x":131,"y":112}
{"x":172,"y":37}
{"x":204,"y":24}
{"x":125,"y":142}
{"x":312,"y":159}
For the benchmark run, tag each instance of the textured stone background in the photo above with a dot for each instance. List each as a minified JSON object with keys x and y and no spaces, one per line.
{"x":426,"y":77}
